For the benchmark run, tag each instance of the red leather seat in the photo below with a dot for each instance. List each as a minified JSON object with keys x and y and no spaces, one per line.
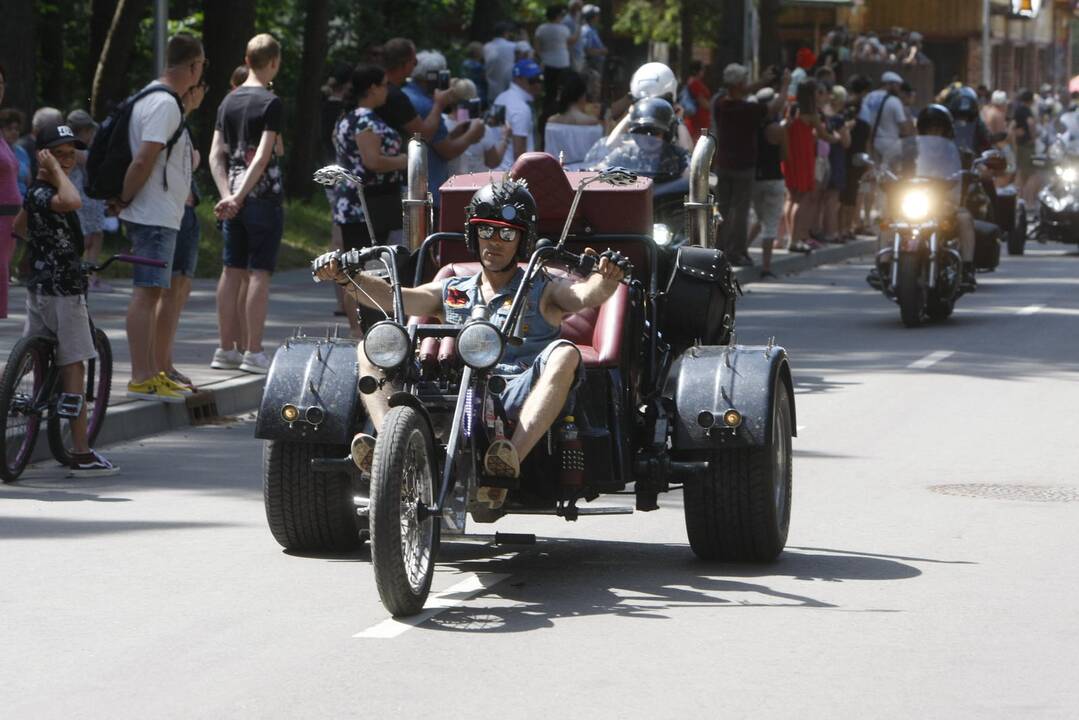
{"x":597,"y":332}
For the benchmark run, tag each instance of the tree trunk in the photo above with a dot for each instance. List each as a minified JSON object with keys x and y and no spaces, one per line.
{"x":687,"y":12}
{"x":226,"y":27}
{"x":51,"y":57}
{"x":101,"y":14}
{"x":485,"y":14}
{"x":306,"y":127}
{"x":110,"y":78}
{"x":731,"y":47}
{"x":771,"y":49}
{"x":18,"y":54}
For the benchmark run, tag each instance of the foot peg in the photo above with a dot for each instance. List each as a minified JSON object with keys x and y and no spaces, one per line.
{"x":69,"y":405}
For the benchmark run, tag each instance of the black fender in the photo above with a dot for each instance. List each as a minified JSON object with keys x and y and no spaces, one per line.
{"x":715,"y":379}
{"x":312,"y":372}
{"x":404,"y":398}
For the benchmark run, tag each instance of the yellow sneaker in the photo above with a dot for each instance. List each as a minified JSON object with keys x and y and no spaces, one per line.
{"x":173,"y":385}
{"x":153,"y":389}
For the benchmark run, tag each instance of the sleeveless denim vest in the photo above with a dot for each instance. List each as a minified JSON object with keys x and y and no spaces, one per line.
{"x":461,"y":294}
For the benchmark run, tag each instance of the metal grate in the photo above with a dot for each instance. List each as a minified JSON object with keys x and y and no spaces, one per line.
{"x":202,"y":408}
{"x":1035,"y":493}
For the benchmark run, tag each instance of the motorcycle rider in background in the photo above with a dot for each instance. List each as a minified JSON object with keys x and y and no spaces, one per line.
{"x":651,"y":80}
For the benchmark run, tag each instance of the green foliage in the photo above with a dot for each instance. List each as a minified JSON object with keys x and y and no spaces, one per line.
{"x":652,"y":21}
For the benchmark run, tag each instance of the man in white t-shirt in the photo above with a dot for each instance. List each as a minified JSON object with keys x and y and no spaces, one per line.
{"x":884,"y":112}
{"x":152,"y":206}
{"x":526,"y":85}
{"x":553,"y":41}
{"x":498,"y":58}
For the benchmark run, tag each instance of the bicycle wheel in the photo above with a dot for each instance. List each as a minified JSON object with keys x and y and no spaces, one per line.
{"x":21,"y":406}
{"x":98,"y":385}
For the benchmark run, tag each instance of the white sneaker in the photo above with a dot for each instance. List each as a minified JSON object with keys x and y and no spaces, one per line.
{"x":255,"y":363}
{"x":226,"y":359}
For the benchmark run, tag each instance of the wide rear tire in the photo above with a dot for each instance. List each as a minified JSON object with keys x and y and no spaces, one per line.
{"x":1017,"y":238}
{"x":307,"y":510}
{"x":741,"y":510}
{"x":59,"y":428}
{"x":20,"y":385}
{"x":910,"y":291}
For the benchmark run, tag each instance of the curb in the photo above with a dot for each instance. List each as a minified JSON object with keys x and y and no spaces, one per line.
{"x":140,"y":418}
{"x":240,"y":394}
{"x":798,"y":263}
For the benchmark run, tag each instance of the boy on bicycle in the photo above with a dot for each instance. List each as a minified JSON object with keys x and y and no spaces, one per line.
{"x":56,"y":292}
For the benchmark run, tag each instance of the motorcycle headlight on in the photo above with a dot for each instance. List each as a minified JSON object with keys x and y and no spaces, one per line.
{"x":662,"y":234}
{"x":386,"y":344}
{"x":1068,"y":174}
{"x":480,"y":345}
{"x":915,"y":205}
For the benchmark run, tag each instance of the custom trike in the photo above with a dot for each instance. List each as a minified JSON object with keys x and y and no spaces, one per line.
{"x":668,"y":400}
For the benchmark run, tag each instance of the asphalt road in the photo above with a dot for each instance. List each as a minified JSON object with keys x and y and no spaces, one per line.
{"x":928,"y":572}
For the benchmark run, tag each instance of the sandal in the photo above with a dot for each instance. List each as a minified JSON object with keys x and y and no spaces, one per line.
{"x":800,"y":247}
{"x":363,"y":452}
{"x":501,"y":460}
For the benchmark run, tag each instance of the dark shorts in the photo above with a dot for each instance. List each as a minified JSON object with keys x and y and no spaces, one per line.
{"x":849,"y":194}
{"x":186,"y":257}
{"x":253,"y":237}
{"x":519,"y":386}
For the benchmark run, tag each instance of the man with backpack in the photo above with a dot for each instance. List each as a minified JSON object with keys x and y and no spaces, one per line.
{"x":151,"y":197}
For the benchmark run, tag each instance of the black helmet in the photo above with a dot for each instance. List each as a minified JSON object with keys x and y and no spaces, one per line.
{"x":652,"y":115}
{"x":963,"y":103}
{"x":936,"y":117}
{"x":507,"y":203}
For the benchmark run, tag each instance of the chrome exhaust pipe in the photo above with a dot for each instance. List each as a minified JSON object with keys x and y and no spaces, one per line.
{"x":701,"y":218}
{"x":417,"y":205}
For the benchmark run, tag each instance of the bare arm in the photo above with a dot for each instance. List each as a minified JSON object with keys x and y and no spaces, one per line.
{"x":428,"y":126}
{"x":67,"y":196}
{"x":219,"y":164}
{"x":450,"y":147}
{"x":139,"y":170}
{"x":370,"y":145}
{"x":567,"y":298}
{"x":419,"y":301}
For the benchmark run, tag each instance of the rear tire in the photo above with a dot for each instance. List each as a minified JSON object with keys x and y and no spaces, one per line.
{"x":1017,"y":238}
{"x":21,"y":382}
{"x":307,"y":510}
{"x":910,"y":291}
{"x":403,"y":547}
{"x":741,"y":510}
{"x":59,"y":429}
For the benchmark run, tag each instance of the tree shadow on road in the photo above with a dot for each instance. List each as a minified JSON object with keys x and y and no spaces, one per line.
{"x":563,"y":578}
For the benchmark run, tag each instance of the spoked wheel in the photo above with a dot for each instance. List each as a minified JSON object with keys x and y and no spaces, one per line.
{"x":909,"y":291}
{"x":403,"y":545}
{"x":741,"y":509}
{"x":98,"y":385}
{"x":19,"y":389}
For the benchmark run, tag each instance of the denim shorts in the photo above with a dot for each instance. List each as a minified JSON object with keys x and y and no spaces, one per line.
{"x":157,"y":243}
{"x":186,"y":257}
{"x":519,"y":386}
{"x":253,"y":237}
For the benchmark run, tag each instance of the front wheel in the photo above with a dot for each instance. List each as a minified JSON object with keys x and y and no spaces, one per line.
{"x":403,"y":543}
{"x":1017,"y":238}
{"x":98,"y":384}
{"x":21,"y":404}
{"x":910,"y":290}
{"x":741,"y":510}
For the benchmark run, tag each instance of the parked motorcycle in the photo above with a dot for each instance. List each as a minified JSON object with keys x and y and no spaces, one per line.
{"x":920,"y":267}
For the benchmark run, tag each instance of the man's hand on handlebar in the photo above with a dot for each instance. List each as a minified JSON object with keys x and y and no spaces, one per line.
{"x":613,"y":266}
{"x":328,"y":267}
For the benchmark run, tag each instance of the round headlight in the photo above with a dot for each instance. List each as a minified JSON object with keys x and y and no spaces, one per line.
{"x":1069,"y":174}
{"x":915,"y":205}
{"x":661,"y":234}
{"x":479,"y":345}
{"x":386,"y":344}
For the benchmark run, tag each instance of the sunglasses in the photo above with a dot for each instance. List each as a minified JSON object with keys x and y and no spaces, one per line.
{"x":505,"y":234}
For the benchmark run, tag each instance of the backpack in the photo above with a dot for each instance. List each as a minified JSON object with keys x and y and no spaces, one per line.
{"x":110,"y":152}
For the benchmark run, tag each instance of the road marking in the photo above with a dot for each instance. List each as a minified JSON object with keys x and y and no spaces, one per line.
{"x":451,"y":597}
{"x":931,"y":359}
{"x":1030,"y":309}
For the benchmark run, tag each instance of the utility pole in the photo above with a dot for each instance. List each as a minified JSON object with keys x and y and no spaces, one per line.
{"x":161,"y":29}
{"x":987,"y":49}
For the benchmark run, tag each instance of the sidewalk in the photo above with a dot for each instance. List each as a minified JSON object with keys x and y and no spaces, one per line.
{"x":295,"y":301}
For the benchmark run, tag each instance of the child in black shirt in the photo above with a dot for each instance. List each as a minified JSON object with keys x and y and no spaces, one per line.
{"x":56,"y":292}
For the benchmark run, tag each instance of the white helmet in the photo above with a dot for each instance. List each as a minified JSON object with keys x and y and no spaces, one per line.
{"x":653,"y":80}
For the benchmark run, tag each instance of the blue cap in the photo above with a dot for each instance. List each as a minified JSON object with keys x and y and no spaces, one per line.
{"x":527,"y":68}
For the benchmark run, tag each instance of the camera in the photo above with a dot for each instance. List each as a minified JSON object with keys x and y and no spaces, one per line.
{"x":440,"y":79}
{"x":496,"y":115}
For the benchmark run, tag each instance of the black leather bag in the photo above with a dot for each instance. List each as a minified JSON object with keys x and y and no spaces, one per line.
{"x":698,"y":306}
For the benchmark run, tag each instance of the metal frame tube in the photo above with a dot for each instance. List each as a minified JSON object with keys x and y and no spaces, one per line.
{"x":699,"y":201}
